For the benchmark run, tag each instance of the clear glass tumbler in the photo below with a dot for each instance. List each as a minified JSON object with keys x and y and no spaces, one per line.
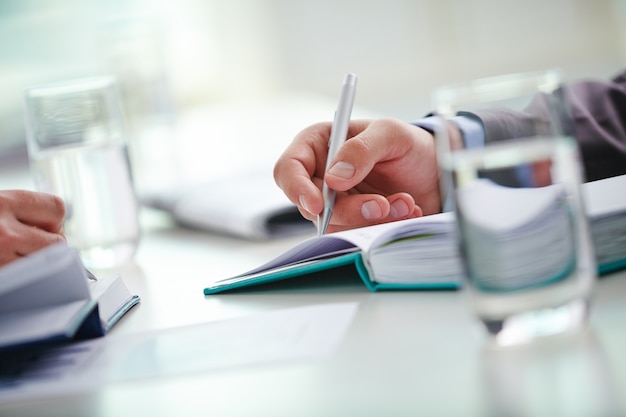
{"x":77,"y":148}
{"x":521,"y":225}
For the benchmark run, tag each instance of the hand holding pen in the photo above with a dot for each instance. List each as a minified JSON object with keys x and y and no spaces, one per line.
{"x":385,"y":171}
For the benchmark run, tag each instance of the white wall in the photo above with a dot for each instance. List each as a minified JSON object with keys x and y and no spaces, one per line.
{"x":210,"y":51}
{"x":402,"y":49}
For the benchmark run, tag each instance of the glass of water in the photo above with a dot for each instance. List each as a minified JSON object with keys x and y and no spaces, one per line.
{"x":522,"y":230}
{"x":77,"y":148}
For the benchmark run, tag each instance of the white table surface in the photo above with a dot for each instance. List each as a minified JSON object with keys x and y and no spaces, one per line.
{"x":405,"y":353}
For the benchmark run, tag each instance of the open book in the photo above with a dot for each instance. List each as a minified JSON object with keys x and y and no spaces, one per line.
{"x":384,"y":256}
{"x":48,"y":297}
{"x":422,"y":253}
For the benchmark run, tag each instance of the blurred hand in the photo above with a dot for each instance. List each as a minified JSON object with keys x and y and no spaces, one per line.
{"x":386,"y":171}
{"x":28,"y":221}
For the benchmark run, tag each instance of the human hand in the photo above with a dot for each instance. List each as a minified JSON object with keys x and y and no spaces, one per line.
{"x":28,"y":221}
{"x":386,"y":171}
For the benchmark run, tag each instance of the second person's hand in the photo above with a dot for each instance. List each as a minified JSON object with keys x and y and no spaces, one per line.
{"x":29,"y":221}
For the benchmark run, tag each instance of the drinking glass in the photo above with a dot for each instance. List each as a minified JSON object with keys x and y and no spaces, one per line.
{"x":521,"y":226}
{"x":77,"y":148}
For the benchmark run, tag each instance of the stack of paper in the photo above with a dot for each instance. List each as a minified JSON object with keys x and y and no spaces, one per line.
{"x":433,"y":240}
{"x":606,"y":208}
{"x":516,"y":237}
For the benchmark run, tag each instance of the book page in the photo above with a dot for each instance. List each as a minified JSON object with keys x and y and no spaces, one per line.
{"x":497,"y":207}
{"x":367,"y":238}
{"x":605,"y":197}
{"x":25,"y":326}
{"x":319,"y":247}
{"x":52,"y":276}
{"x":353,"y":240}
{"x":339,"y":243}
{"x":605,"y":201}
{"x":42,"y":295}
{"x":113,"y":297}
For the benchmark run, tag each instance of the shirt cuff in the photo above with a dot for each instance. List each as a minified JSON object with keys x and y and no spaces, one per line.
{"x":471,"y":129}
{"x":472,"y":133}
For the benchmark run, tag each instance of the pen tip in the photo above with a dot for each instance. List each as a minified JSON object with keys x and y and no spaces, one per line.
{"x":323,"y":221}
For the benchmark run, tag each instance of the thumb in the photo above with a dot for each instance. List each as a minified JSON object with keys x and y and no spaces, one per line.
{"x":357,"y":157}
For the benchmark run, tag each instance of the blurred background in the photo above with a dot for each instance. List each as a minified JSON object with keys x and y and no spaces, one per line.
{"x":254,"y":72}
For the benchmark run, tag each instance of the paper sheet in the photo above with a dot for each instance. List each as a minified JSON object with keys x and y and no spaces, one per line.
{"x":282,"y":335}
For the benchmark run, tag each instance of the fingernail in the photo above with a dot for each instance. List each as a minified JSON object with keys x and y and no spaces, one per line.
{"x":370,"y":210}
{"x":302,"y":203}
{"x":342,"y":170}
{"x":399,"y":209}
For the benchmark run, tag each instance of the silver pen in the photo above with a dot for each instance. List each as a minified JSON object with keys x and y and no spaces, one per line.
{"x":338,"y":136}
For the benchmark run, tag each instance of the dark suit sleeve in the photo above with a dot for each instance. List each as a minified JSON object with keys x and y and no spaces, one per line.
{"x":597,"y":119}
{"x":599,"y":116}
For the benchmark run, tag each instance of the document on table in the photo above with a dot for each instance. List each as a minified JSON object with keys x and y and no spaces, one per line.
{"x":248,"y":205}
{"x":270,"y":337}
